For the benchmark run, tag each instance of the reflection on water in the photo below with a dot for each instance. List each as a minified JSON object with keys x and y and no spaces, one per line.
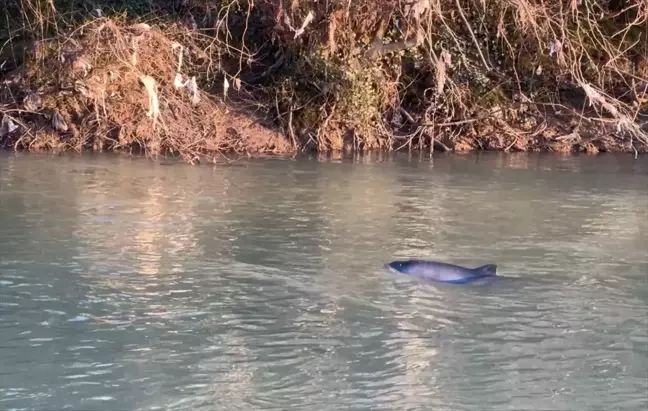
{"x":126,"y":284}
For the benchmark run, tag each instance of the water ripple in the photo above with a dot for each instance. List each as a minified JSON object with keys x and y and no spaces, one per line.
{"x":143,"y":287}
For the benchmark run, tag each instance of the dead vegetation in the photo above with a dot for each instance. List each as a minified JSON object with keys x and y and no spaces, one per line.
{"x":111,"y":85}
{"x":337,"y":75}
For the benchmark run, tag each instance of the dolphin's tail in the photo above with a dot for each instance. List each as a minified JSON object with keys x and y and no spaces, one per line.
{"x":488,"y":269}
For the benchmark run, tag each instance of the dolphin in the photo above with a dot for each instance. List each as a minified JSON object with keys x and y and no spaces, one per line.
{"x":443,"y":272}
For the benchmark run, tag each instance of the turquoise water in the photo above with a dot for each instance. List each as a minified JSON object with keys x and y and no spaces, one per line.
{"x":126,"y":284}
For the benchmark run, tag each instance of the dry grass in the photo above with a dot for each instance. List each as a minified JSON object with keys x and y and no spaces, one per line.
{"x":110,"y":85}
{"x":456,"y":74}
{"x":446,"y":74}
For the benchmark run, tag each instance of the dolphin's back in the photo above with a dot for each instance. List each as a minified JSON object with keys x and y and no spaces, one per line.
{"x":438,"y":271}
{"x":487,"y":270}
{"x":433,"y":270}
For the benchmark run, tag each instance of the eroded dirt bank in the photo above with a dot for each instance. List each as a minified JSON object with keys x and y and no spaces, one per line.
{"x":196,"y":78}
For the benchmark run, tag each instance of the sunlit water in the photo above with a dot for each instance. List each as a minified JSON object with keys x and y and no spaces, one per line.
{"x":126,"y":284}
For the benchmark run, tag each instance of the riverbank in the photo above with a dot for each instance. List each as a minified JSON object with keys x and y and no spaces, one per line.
{"x":195,"y":79}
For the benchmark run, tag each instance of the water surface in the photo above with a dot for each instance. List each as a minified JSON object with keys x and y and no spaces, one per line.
{"x":126,"y":284}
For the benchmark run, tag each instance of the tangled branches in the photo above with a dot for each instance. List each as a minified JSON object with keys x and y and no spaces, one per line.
{"x":114,"y":85}
{"x":358,"y":75}
{"x":459,"y":74}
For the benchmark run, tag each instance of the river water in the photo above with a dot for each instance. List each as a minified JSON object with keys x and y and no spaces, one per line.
{"x":132,"y":284}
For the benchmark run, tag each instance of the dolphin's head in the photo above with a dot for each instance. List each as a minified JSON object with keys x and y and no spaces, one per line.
{"x":399,"y":266}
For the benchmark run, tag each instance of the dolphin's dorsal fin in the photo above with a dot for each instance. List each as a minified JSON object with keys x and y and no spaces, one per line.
{"x":488,"y":269}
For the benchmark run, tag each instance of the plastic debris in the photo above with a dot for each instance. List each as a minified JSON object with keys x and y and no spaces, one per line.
{"x":225,"y":86}
{"x":58,"y":122}
{"x":141,"y":27}
{"x":32,"y":102}
{"x":190,"y":85}
{"x":7,"y":126}
{"x":154,"y":103}
{"x":298,"y":32}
